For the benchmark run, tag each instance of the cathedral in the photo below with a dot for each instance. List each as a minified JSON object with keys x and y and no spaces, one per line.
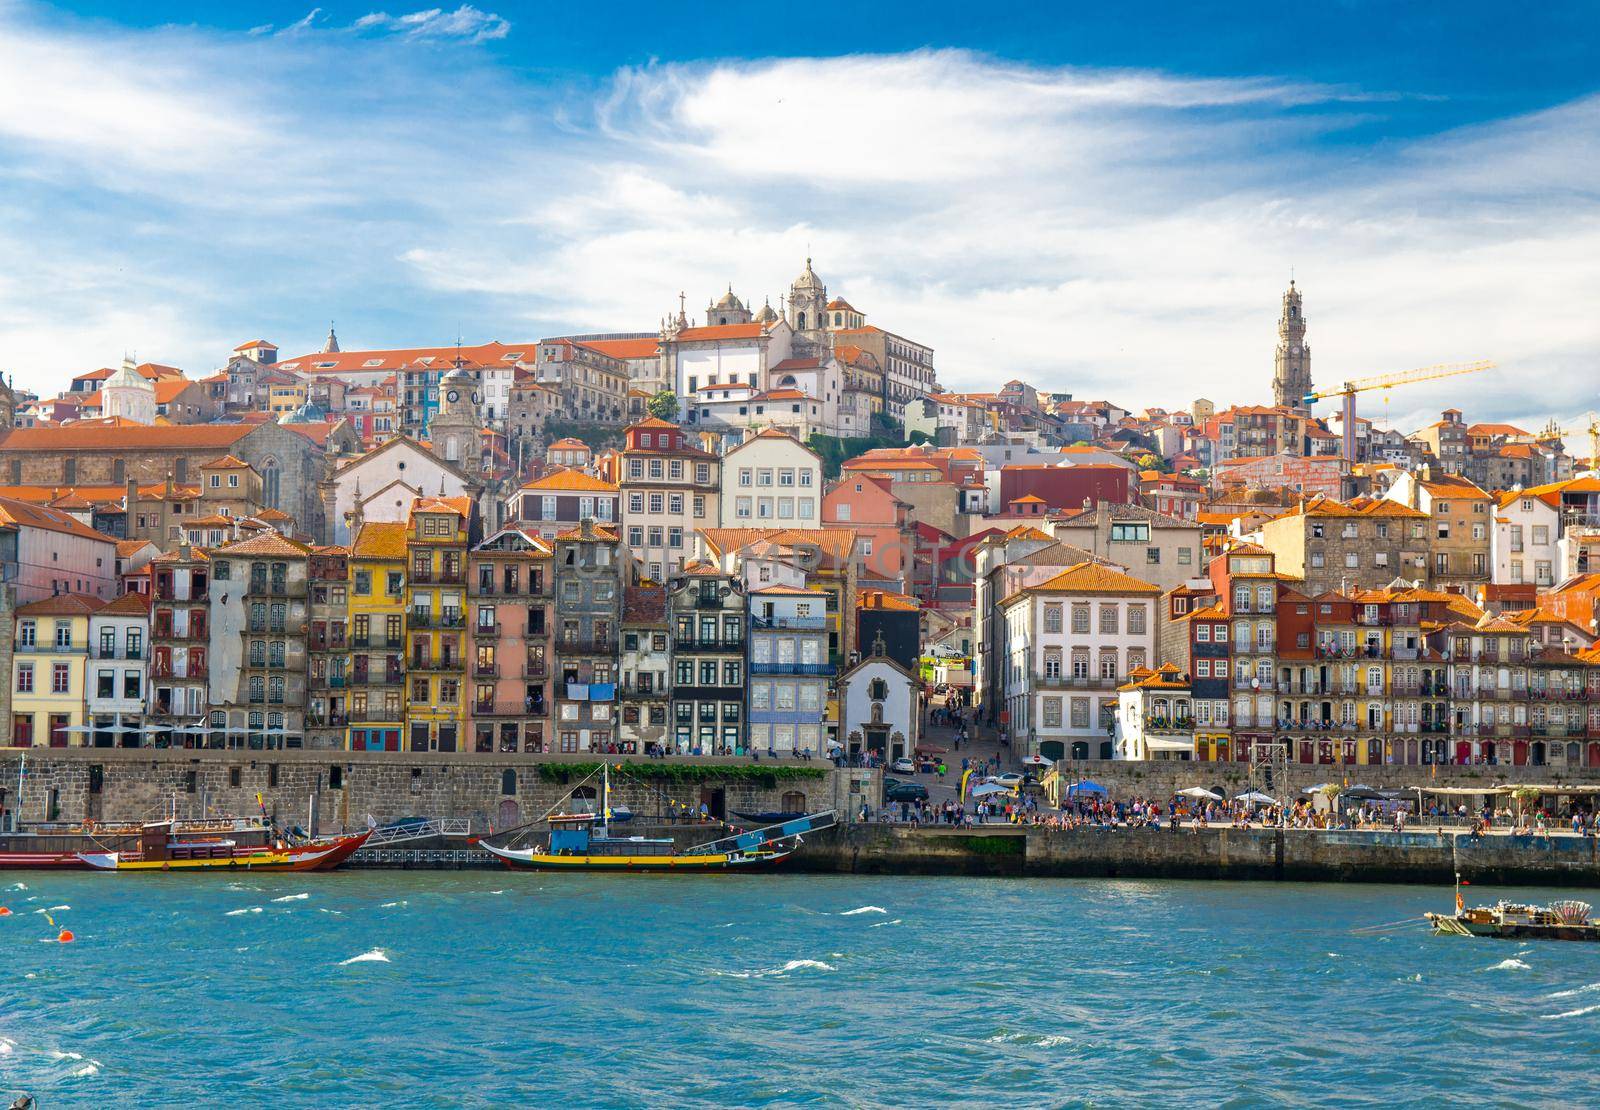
{"x":1291,"y":370}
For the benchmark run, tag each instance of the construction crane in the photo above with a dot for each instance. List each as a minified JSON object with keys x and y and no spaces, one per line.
{"x":1552,"y":432}
{"x":1349,"y":390}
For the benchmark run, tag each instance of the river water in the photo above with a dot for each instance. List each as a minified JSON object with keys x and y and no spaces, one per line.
{"x":499,"y":988}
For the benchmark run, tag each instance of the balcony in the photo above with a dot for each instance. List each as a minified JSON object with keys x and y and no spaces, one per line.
{"x":486,"y":670}
{"x":366,"y":714}
{"x":329,"y":682}
{"x":100,"y":651}
{"x":168,"y":670}
{"x":654,"y":693}
{"x":792,"y":668}
{"x":378,"y":678}
{"x":804,"y":624}
{"x":487,"y":631}
{"x":535,"y":668}
{"x":525,"y":708}
{"x":449,"y":618}
{"x":328,"y":644}
{"x":1075,"y":682}
{"x":436,"y":664}
{"x":51,"y":648}
{"x":1405,"y":690}
{"x":1155,"y":723}
{"x":165,"y":591}
{"x":587,"y":645}
{"x":716,"y":643}
{"x":327,"y":720}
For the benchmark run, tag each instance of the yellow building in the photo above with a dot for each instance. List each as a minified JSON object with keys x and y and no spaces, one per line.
{"x":48,"y":672}
{"x":284,"y":395}
{"x":377,"y":672}
{"x":438,"y":533}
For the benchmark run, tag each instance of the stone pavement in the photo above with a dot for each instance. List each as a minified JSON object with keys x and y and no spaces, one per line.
{"x":982,"y":745}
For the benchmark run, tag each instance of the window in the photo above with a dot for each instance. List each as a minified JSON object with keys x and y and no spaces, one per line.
{"x":24,"y":678}
{"x":1052,"y":618}
{"x":1152,"y":555}
{"x":1136,"y":619}
{"x":1080,"y":618}
{"x":1109,"y":621}
{"x":60,"y":678}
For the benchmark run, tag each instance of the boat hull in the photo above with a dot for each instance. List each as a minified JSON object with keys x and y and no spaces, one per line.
{"x":672,"y":865}
{"x":42,"y":861}
{"x":1459,"y":925}
{"x":314,"y":857}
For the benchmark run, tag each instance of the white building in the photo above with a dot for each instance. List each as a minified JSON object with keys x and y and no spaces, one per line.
{"x":119,"y":653}
{"x":771,"y":480}
{"x":384,"y":482}
{"x":1155,"y":715}
{"x":1524,"y":538}
{"x":966,"y":420}
{"x":129,"y":395}
{"x":880,"y":709}
{"x":1068,"y":644}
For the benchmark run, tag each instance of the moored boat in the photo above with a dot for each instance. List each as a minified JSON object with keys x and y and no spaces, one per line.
{"x":583,"y":842}
{"x":162,"y":848}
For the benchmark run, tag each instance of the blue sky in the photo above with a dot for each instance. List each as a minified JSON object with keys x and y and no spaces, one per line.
{"x":1096,"y":202}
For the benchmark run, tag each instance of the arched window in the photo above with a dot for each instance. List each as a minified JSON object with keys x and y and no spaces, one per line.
{"x":800,"y":322}
{"x":270,"y":483}
{"x":451,"y":453}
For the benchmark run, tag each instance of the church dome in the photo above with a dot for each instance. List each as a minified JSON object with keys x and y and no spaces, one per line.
{"x":308,"y":413}
{"x":457,"y":376}
{"x":730,"y":301}
{"x":125,"y":377}
{"x":766,"y":315}
{"x":808,"y":278}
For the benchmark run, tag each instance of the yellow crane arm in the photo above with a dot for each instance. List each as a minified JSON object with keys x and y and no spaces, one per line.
{"x":1403,"y":377}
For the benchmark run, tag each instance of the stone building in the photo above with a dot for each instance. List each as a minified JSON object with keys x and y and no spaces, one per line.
{"x":589,"y":576}
{"x":1151,"y":546}
{"x":669,"y":490}
{"x":646,"y":670}
{"x":438,"y":534}
{"x":328,"y":680}
{"x":1332,"y":545}
{"x":708,"y":616}
{"x":260,"y":615}
{"x":1460,"y":527}
{"x":288,"y":462}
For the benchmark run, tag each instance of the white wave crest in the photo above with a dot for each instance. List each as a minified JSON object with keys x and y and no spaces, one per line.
{"x":881,"y":924}
{"x":392,"y":905}
{"x":1509,"y":965}
{"x":247,"y":909}
{"x":1573,"y":1013}
{"x":86,"y":1070}
{"x":375,"y":956}
{"x":1585,"y":989}
{"x":777,"y":972}
{"x":293,"y":898}
{"x":57,"y":1054}
{"x":863,"y":909}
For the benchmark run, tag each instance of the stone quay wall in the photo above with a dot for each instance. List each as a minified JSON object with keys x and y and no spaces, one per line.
{"x":332,"y":791}
{"x":1422,"y":856}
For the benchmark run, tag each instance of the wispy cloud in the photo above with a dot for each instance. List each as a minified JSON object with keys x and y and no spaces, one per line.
{"x":466,"y":22}
{"x":1103,"y":232}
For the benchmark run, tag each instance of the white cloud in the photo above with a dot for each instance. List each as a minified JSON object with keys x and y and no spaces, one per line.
{"x":466,"y":22}
{"x":1107,"y":233}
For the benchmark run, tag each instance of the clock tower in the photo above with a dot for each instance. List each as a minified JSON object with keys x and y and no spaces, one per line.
{"x":454,"y":429}
{"x":1291,"y":370}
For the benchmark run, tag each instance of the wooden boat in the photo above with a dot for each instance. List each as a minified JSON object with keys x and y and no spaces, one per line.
{"x":582,"y":842}
{"x":62,"y":845}
{"x":1566,"y":920}
{"x":162,"y":849}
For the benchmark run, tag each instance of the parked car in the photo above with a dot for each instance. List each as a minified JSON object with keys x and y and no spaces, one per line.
{"x":1010,"y":780}
{"x":890,"y":782}
{"x":903,"y":766}
{"x":905,"y":792}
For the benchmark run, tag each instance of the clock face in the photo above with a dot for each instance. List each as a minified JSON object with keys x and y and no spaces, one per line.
{"x":453,"y":396}
{"x":1294,"y":350}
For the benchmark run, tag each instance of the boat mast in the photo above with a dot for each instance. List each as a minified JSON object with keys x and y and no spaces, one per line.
{"x":605,"y":798}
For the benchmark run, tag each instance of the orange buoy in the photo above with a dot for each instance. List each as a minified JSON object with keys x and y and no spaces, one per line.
{"x":5,"y":911}
{"x":66,"y":936}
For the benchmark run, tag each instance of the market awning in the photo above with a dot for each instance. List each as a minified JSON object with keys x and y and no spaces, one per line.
{"x":1168,"y":744}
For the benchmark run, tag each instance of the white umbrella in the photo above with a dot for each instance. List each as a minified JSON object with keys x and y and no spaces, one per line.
{"x":988,"y":788}
{"x":1255,"y":797}
{"x":1200,"y":792}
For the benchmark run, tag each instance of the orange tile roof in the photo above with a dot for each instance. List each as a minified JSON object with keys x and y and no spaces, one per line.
{"x":654,"y":422}
{"x":624,"y":349}
{"x":62,"y":605}
{"x":22,"y":514}
{"x":135,"y":437}
{"x":266,"y":543}
{"x":572,"y":480}
{"x":1091,"y":578}
{"x":418,"y":358}
{"x":226,"y":462}
{"x":380,"y":539}
{"x":837,"y":543}
{"x":129,"y":604}
{"x":599,"y":532}
{"x":460,"y":506}
{"x":256,"y":343}
{"x":883,"y":599}
{"x":132,"y":547}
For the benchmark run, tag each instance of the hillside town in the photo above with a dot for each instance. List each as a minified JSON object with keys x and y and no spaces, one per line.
{"x":771,"y":532}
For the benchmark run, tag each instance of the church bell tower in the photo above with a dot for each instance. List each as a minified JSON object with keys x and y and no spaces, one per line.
{"x":1291,"y":371}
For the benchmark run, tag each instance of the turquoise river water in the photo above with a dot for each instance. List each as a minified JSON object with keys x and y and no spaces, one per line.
{"x":503,"y":989}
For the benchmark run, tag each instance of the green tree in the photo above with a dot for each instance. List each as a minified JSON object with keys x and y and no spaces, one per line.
{"x":664,"y":405}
